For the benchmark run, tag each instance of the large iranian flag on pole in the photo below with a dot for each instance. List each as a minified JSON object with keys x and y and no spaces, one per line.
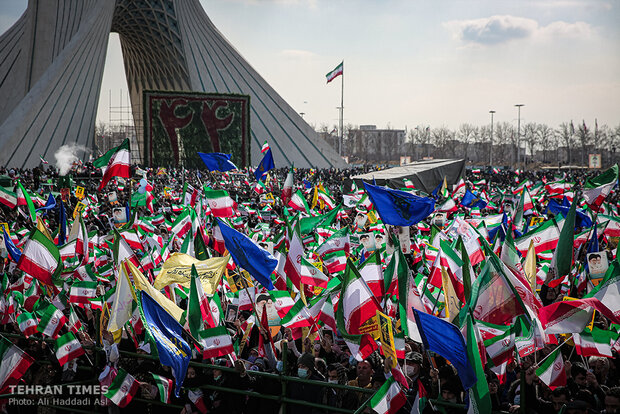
{"x":220,"y":203}
{"x":551,"y":371}
{"x":389,"y":398}
{"x":68,"y":348}
{"x":40,"y":258}
{"x":119,"y":164}
{"x":13,"y":364}
{"x":123,"y":388}
{"x":216,"y":342}
{"x":598,"y":188}
{"x":337,"y":71}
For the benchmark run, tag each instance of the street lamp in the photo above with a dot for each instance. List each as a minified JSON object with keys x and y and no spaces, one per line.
{"x":519,"y":132}
{"x":491,"y":142}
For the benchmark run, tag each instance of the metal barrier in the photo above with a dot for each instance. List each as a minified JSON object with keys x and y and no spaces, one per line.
{"x":282,"y":397}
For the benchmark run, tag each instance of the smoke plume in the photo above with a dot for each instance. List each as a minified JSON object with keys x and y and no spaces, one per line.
{"x":67,"y":155}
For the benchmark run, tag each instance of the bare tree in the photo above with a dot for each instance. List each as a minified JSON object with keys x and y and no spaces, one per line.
{"x":546,"y":138}
{"x":505,"y":136}
{"x":531,"y":138}
{"x":584,"y":135}
{"x":441,"y":136}
{"x":466,"y":135}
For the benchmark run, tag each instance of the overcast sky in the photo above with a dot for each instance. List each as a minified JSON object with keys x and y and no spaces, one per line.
{"x":408,"y":63}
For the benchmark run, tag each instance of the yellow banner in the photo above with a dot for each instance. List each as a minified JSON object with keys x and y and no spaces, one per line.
{"x":371,"y":327}
{"x":386,"y":335}
{"x":178,"y":269}
{"x":79,"y":192}
{"x":6,"y":228}
{"x":79,"y":207}
{"x":142,"y":283}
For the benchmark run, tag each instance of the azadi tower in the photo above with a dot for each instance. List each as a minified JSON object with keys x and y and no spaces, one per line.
{"x":52,"y":61}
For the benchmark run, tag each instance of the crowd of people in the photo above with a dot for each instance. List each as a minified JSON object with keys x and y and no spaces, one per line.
{"x":318,"y":352}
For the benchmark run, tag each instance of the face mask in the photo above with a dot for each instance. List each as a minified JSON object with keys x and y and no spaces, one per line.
{"x":252,"y":358}
{"x":302,"y":372}
{"x":217,"y":378}
{"x":411,"y":371}
{"x":332,"y":381}
{"x":279,"y":366}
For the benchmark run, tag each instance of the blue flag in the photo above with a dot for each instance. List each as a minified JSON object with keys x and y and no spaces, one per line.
{"x":399,"y":208}
{"x":446,"y":340}
{"x":49,"y":205}
{"x":581,"y":219}
{"x":173,"y":350}
{"x":62,"y":227}
{"x":248,"y":255}
{"x":11,"y":248}
{"x":216,"y":161}
{"x":471,"y":200}
{"x":307,"y":184}
{"x":265,"y":165}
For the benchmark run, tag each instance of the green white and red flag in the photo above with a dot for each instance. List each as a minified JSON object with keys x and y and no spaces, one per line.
{"x":118,"y":165}
{"x":594,"y":342}
{"x":40,"y":258}
{"x":608,"y":290}
{"x":282,"y":301}
{"x":82,"y":292}
{"x":356,"y":300}
{"x":198,"y":310}
{"x":298,"y":316}
{"x":479,"y":397}
{"x":372,"y":274}
{"x":68,"y":348}
{"x":27,"y":323}
{"x":123,"y":388}
{"x":8,"y":198}
{"x":292,"y":267}
{"x":183,"y":224}
{"x":337,"y":71}
{"x":164,"y":385}
{"x":220,"y":203}
{"x":265,"y":147}
{"x":598,"y":188}
{"x":545,"y":237}
{"x":24,"y":199}
{"x":312,"y":276}
{"x":216,"y":342}
{"x":337,"y":241}
{"x":287,"y":188}
{"x":74,"y":324}
{"x":51,"y":321}
{"x":552,"y":371}
{"x":298,"y":202}
{"x":13,"y":364}
{"x":572,"y":316}
{"x":388,"y":399}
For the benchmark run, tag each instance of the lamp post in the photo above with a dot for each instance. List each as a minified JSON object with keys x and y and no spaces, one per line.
{"x":519,"y":132}
{"x":491,"y":142}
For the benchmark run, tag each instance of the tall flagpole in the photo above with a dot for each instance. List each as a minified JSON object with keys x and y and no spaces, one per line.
{"x":341,"y":111}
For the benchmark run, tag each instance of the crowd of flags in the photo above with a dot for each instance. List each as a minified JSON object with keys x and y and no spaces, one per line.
{"x":470,"y":288}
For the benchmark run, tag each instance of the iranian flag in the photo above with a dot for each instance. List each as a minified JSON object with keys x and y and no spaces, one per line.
{"x":68,"y":348}
{"x":164,"y":385}
{"x":545,"y":237}
{"x":182,"y":224}
{"x":220,"y":203}
{"x":282,"y":301}
{"x":595,"y":342}
{"x":298,"y":316}
{"x":216,"y":342}
{"x":51,"y":321}
{"x":298,"y":202}
{"x":27,"y":323}
{"x":408,"y":183}
{"x":572,"y":316}
{"x":356,"y":299}
{"x":119,"y":164}
{"x":132,"y":239}
{"x":287,"y":188}
{"x":338,"y":70}
{"x":389,"y":398}
{"x":198,"y":310}
{"x":292,"y":267}
{"x":312,"y":276}
{"x":598,"y":188}
{"x":123,"y":388}
{"x":608,"y":291}
{"x":40,"y":258}
{"x":13,"y":364}
{"x":372,"y":274}
{"x":335,"y":262}
{"x":552,"y":371}
{"x":82,"y":292}
{"x":265,"y":147}
{"x":8,"y":198}
{"x":339,"y":241}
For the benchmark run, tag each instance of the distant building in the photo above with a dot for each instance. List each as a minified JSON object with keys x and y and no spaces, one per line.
{"x":374,"y":145}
